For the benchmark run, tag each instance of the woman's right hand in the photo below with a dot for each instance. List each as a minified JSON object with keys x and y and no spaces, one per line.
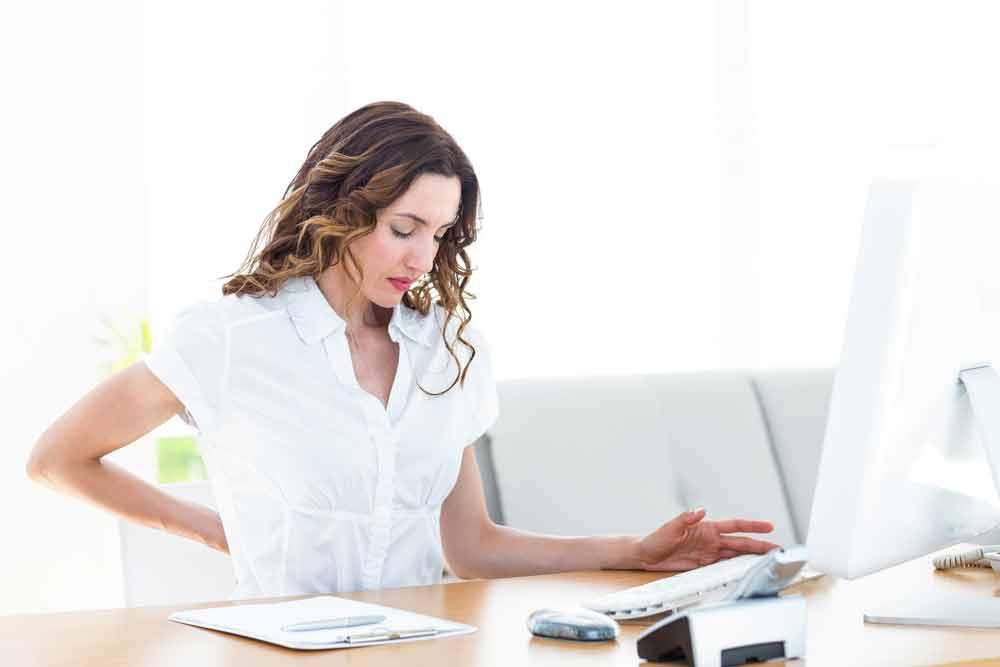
{"x":216,"y":538}
{"x":198,"y":522}
{"x":687,"y":542}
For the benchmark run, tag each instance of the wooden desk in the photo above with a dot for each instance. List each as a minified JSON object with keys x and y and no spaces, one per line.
{"x":499,"y":608}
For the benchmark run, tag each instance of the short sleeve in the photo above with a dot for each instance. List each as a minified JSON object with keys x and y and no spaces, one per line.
{"x":482,"y":405}
{"x":191,"y":362}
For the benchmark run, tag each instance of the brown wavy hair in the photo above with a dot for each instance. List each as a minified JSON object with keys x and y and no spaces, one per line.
{"x":363,"y":163}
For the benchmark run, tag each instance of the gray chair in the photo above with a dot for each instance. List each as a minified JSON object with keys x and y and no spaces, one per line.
{"x":623,"y":454}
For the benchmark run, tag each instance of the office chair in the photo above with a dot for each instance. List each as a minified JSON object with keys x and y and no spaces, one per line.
{"x":161,"y":569}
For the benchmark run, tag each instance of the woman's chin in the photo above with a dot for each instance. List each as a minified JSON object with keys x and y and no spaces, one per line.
{"x":389,"y":301}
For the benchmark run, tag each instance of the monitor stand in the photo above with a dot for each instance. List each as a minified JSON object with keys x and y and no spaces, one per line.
{"x":982,"y":384}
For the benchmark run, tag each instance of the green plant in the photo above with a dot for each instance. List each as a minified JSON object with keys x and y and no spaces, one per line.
{"x":126,"y":340}
{"x":177,"y":460}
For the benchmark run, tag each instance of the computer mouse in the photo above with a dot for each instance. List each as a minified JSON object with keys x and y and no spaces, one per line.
{"x":572,"y":623}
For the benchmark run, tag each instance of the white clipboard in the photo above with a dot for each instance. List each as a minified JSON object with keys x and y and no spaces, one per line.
{"x":264,"y":622}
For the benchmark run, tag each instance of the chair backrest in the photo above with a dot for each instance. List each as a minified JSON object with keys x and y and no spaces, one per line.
{"x":160,"y":569}
{"x":795,"y":403}
{"x":623,"y":454}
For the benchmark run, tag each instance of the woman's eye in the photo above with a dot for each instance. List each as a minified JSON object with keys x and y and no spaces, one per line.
{"x":406,"y":235}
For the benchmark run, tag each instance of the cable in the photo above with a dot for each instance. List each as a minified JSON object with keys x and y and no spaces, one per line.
{"x":974,"y":558}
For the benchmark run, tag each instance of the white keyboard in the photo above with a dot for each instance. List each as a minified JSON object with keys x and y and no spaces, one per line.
{"x":707,"y":583}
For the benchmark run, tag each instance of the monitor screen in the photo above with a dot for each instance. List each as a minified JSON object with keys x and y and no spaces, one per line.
{"x":903,"y":470}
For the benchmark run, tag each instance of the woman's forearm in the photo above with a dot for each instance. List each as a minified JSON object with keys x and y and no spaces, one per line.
{"x":113,"y":488}
{"x":508,"y":552}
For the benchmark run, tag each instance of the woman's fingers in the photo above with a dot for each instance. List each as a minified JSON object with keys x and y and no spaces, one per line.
{"x":746,"y":545}
{"x":664,"y":540}
{"x":692,"y":516}
{"x":744,"y":526}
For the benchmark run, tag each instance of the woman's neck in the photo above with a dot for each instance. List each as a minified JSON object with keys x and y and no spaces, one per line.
{"x":343,"y":296}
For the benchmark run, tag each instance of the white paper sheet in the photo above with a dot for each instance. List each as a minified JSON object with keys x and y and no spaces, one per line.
{"x":264,"y":622}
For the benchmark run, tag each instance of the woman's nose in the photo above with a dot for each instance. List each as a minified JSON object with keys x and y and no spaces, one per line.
{"x":422,"y":258}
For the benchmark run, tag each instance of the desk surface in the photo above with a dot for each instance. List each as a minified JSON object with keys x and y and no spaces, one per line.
{"x":499,"y":608}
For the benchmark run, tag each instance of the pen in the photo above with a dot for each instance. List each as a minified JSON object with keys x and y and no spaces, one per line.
{"x":359,"y":638}
{"x":342,"y":622}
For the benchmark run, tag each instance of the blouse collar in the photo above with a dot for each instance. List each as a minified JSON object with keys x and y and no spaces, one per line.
{"x":315,"y":319}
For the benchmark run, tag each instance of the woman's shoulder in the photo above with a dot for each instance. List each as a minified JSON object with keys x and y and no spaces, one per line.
{"x":229,"y":310}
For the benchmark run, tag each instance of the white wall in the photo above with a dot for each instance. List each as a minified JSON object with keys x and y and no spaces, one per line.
{"x":74,"y":240}
{"x":842,"y":93}
{"x":666,"y":186}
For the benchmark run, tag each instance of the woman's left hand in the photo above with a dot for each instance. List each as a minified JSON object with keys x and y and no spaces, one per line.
{"x":687,"y":542}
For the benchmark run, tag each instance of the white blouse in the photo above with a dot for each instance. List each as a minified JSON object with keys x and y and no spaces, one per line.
{"x":320,"y":488}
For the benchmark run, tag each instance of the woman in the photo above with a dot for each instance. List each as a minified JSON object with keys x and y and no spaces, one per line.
{"x":336,"y":387}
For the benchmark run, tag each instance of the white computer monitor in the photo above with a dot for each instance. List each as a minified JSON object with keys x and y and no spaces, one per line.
{"x":905,"y":469}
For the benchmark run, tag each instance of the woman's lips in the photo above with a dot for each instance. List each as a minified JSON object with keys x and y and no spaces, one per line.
{"x":401,"y":284}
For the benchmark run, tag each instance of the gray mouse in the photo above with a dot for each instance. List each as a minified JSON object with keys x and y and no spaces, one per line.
{"x":572,"y":623}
